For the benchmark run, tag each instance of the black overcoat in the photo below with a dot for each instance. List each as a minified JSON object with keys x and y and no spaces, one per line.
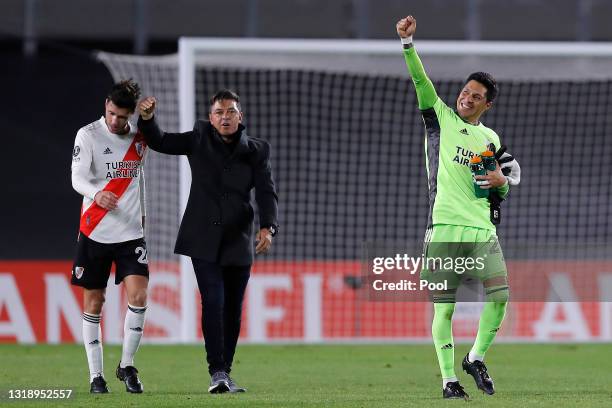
{"x":217,"y":225}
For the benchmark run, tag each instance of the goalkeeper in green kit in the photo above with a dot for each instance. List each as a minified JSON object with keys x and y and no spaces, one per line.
{"x":457,"y":214}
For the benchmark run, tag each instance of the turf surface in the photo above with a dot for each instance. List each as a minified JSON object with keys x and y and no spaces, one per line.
{"x":317,"y":376}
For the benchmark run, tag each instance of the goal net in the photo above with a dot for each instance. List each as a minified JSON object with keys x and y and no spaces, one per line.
{"x":348,"y":160}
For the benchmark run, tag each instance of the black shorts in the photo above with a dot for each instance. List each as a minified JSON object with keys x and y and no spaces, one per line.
{"x":92,"y":263}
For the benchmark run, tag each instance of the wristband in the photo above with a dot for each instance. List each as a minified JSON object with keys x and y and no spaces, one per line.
{"x":407,"y":41}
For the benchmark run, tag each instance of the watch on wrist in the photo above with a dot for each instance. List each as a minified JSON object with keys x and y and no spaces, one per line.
{"x":273,"y":229}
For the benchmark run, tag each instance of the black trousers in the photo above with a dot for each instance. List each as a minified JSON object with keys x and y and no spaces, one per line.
{"x":222,"y":291}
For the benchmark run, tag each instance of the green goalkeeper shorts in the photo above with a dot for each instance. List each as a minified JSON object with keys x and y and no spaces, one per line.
{"x":453,"y":253}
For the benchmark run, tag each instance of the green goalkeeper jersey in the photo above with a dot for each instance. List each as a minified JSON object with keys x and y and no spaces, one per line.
{"x":450,"y":142}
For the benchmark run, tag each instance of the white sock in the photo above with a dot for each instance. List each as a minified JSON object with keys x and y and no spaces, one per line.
{"x":92,"y":338}
{"x":447,"y":380}
{"x":473,"y":357}
{"x":132,"y":333}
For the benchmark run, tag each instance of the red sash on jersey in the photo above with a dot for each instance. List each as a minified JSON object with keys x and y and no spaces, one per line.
{"x":94,"y":214}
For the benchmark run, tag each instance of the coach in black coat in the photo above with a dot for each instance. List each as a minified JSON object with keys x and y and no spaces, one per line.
{"x":217,"y":227}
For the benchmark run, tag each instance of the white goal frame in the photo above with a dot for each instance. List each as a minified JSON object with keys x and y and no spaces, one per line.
{"x":190,"y":47}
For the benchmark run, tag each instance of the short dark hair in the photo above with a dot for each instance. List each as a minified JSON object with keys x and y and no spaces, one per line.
{"x":488,"y":81}
{"x":223,"y":95}
{"x":124,"y":94}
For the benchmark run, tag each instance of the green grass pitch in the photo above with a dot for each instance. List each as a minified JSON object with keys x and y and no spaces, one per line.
{"x":558,"y":375}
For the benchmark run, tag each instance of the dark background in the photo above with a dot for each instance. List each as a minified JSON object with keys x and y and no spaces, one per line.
{"x":46,"y":99}
{"x":59,"y":87}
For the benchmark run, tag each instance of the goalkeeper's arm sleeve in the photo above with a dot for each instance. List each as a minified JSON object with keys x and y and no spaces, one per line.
{"x":503,"y":190}
{"x":425,"y":90}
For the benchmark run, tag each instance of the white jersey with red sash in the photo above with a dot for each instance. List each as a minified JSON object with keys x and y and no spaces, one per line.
{"x":102,"y":160}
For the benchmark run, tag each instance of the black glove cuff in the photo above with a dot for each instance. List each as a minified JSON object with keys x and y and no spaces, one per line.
{"x":495,"y":207}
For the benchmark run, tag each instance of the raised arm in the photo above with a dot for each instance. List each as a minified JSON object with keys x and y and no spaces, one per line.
{"x":426,"y":93}
{"x":158,"y":140}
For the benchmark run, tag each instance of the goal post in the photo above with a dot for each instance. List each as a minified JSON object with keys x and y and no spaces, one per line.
{"x":186,"y":100}
{"x":356,"y":166}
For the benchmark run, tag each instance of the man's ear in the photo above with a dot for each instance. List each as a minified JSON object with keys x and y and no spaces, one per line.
{"x":489,"y":104}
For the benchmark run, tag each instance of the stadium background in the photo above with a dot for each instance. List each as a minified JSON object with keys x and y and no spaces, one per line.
{"x":343,"y":174}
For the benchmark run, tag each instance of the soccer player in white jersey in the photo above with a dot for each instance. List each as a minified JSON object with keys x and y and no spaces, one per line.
{"x":107,"y":171}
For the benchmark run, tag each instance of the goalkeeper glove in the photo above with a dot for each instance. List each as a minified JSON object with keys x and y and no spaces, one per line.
{"x":509,"y":166}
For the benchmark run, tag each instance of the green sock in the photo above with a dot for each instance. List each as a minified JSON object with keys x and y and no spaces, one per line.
{"x":441,"y":331}
{"x":491,"y":319}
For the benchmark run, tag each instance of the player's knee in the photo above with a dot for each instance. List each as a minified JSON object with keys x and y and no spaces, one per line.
{"x":138,"y":298}
{"x":444,"y":311}
{"x":499,"y":295}
{"x":94,"y":302}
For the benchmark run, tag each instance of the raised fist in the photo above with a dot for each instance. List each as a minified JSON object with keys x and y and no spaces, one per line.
{"x":146,"y":107}
{"x":406,"y":27}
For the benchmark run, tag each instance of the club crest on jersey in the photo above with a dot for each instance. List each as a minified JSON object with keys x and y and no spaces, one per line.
{"x":78,"y":272}
{"x":76,"y":151}
{"x":139,"y":148}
